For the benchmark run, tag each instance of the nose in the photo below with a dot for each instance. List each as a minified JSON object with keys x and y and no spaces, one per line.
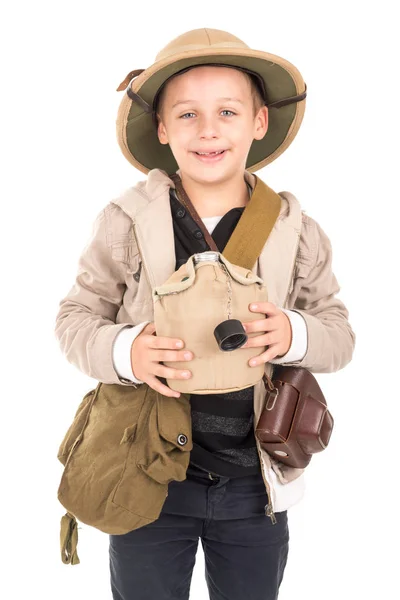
{"x":207,"y":127}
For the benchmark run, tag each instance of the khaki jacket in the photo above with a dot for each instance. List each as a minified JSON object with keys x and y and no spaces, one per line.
{"x":132,"y":250}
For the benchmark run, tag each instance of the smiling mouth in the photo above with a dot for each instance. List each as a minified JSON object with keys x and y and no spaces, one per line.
{"x":210,"y":153}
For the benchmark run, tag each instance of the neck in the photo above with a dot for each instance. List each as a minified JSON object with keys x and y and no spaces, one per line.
{"x":216,"y":198}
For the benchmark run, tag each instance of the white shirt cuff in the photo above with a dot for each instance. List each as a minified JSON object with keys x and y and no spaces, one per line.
{"x":122,"y":351}
{"x":298,"y":347}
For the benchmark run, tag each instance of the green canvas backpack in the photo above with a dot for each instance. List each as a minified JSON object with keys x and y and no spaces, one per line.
{"x":122,"y":449}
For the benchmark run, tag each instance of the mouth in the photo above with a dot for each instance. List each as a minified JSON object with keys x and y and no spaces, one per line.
{"x":213,"y":156}
{"x":210,"y":153}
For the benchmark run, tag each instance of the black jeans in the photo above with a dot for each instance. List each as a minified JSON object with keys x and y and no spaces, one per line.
{"x":245,"y":553}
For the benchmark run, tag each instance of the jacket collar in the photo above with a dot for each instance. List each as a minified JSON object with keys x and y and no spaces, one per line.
{"x":139,"y":197}
{"x":147,"y":204}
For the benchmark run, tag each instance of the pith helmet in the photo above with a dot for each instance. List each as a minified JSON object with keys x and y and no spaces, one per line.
{"x":279,"y":82}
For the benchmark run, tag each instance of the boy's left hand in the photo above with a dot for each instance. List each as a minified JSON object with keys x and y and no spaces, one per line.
{"x":277,"y":328}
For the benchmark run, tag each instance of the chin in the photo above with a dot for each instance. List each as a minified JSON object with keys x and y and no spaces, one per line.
{"x":212,"y":177}
{"x":211,"y":174}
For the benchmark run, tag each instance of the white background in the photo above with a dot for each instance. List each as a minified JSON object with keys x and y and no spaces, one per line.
{"x":61,"y":65}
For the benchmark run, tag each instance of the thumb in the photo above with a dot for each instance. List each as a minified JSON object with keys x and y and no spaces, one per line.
{"x":150,"y":328}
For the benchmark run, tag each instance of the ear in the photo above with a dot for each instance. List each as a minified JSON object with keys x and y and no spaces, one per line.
{"x":161,"y":131}
{"x":261,"y":123}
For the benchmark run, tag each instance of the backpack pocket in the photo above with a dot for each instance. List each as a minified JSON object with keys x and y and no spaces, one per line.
{"x":166,"y":444}
{"x":95,"y":454}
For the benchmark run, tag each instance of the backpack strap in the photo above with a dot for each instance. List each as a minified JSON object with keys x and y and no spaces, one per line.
{"x":69,"y":539}
{"x":253,"y":228}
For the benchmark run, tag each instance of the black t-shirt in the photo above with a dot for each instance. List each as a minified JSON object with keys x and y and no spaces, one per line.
{"x":222,"y":424}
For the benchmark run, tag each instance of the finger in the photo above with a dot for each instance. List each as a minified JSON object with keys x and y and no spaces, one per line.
{"x":266,"y":356}
{"x":270,"y":324}
{"x":149,"y":328}
{"x":156,"y":385}
{"x":170,"y":355}
{"x":263,"y":340}
{"x":165,"y":342}
{"x":264,"y":307}
{"x":169,"y":372}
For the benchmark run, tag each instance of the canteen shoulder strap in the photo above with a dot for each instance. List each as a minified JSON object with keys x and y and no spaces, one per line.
{"x":253,"y":228}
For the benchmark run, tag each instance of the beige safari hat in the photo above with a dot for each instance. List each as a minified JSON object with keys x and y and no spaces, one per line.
{"x":280,"y":83}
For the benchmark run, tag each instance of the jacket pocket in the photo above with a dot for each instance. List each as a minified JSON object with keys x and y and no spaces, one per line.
{"x":302,"y":269}
{"x":165,"y":445}
{"x":124,"y":251}
{"x":285,"y":473}
{"x":76,"y":428}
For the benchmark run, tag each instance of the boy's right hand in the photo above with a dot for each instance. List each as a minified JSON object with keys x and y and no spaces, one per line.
{"x":148,"y":350}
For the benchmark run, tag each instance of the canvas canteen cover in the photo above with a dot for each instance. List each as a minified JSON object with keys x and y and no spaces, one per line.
{"x":204,"y":303}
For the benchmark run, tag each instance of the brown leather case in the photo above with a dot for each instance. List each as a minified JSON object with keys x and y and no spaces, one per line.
{"x":295,"y":422}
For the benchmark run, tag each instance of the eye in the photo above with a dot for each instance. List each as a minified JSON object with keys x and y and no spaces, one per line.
{"x":224,"y":111}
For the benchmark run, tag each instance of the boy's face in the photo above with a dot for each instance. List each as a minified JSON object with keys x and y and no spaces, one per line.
{"x":210,"y":109}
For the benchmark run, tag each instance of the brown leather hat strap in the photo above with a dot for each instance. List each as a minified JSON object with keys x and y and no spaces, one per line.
{"x":289,"y":100}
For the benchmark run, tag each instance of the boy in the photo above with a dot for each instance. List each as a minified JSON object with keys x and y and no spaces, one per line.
{"x":209,"y":109}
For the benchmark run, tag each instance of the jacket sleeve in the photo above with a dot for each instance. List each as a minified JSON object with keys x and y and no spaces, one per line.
{"x":298,"y":346}
{"x":122,"y":351}
{"x":85,"y":323}
{"x":330,"y":338}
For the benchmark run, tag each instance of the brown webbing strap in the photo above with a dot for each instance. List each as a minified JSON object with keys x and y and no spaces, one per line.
{"x":253,"y":228}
